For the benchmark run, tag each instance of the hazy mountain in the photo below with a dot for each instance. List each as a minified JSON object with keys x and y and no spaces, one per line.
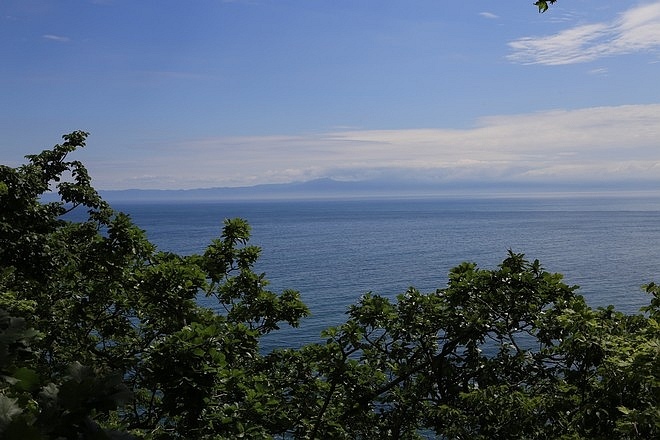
{"x":329,"y":188}
{"x":320,"y":188}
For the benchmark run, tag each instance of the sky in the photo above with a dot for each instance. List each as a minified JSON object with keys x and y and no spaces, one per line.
{"x":219,"y":93}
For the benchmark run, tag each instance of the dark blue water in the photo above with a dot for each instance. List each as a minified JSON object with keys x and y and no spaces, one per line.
{"x":335,"y":251}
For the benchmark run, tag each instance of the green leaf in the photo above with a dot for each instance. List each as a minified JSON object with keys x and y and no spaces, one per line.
{"x":542,"y":5}
{"x":624,"y":410}
{"x":28,"y":379}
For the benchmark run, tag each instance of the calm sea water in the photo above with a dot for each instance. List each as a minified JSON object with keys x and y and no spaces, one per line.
{"x":335,"y":251}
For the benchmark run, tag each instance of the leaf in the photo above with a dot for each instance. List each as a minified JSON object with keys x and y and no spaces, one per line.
{"x":49,"y":393}
{"x":624,"y":410}
{"x":8,"y":410}
{"x":542,"y":5}
{"x":28,"y":379}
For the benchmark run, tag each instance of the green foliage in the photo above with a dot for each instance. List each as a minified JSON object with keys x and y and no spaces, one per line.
{"x":34,"y":406}
{"x":102,"y":336}
{"x":506,"y":353}
{"x":543,"y":4}
{"x":511,"y":353}
{"x":123,"y":344}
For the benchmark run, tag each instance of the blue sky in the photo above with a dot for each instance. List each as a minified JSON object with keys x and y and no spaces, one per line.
{"x":202,"y":93}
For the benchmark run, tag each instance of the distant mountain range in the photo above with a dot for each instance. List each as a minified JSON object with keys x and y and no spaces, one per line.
{"x":319,"y":188}
{"x":330,"y":188}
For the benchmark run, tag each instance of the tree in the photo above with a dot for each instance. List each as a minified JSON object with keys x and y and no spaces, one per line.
{"x":506,"y":353}
{"x":102,"y":336}
{"x":106,"y":305}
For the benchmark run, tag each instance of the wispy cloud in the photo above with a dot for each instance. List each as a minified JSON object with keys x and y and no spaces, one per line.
{"x":489,"y":15}
{"x":592,"y":144}
{"x":636,"y":30}
{"x":601,"y":71}
{"x":58,"y":38}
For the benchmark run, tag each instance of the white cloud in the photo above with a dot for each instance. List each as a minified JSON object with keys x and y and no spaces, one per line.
{"x":592,"y":144}
{"x":58,"y":38}
{"x":598,"y":71}
{"x":635,"y":30}
{"x":489,"y":15}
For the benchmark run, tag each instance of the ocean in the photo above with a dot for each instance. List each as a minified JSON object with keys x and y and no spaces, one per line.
{"x":334,"y":251}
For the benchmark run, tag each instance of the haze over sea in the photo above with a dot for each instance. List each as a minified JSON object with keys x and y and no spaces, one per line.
{"x":333,"y":251}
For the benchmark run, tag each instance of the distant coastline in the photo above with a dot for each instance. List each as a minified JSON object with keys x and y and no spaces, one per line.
{"x":335,"y":189}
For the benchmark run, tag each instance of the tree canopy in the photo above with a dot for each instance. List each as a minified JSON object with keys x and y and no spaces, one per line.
{"x":102,"y":336}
